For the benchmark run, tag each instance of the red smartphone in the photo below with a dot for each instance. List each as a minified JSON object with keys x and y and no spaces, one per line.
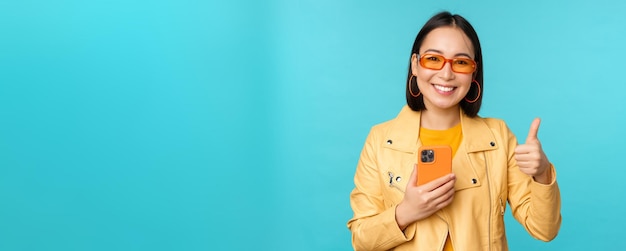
{"x":433,"y":162}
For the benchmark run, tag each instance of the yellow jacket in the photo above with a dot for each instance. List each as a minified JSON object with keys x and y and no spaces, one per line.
{"x":487,"y":176}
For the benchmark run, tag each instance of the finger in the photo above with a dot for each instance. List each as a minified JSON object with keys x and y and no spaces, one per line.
{"x":444,"y":200}
{"x":529,"y":171}
{"x":446,"y":188}
{"x":528,"y":148}
{"x":534,"y":129}
{"x":527,"y":157}
{"x":432,"y":185}
{"x":522,"y":149}
{"x":525,"y":164}
{"x":444,"y":204}
{"x":523,"y":160}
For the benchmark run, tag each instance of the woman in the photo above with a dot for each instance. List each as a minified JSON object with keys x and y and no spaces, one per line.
{"x":463,"y":210}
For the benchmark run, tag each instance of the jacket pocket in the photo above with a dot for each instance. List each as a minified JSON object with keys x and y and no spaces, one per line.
{"x":395,"y":171}
{"x":500,"y":208}
{"x":393,"y":187}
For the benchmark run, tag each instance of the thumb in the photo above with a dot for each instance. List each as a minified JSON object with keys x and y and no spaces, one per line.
{"x":534,"y":130}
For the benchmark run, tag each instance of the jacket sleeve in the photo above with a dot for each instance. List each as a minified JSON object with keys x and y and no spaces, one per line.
{"x":373,"y":225}
{"x":536,"y":206}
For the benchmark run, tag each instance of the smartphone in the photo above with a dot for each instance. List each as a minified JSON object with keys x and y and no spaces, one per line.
{"x":433,"y":162}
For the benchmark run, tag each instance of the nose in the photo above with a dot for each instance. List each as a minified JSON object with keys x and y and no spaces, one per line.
{"x":446,"y":72}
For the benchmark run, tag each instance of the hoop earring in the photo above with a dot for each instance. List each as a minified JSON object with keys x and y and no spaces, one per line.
{"x":411,"y":91}
{"x":477,"y":96}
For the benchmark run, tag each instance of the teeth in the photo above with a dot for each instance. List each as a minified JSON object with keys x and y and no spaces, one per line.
{"x":444,"y":88}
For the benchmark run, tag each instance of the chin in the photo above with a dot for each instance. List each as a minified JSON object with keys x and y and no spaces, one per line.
{"x":446,"y":105}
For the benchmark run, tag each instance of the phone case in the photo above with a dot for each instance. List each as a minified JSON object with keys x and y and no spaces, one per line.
{"x":433,"y":162}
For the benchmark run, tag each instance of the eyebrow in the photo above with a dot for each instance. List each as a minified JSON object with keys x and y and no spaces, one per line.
{"x":440,"y":52}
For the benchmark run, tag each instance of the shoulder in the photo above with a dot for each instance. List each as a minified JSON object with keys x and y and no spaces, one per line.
{"x":495,"y":124}
{"x":485,"y":125}
{"x":379,"y":131}
{"x":498,"y":128}
{"x":400,"y":132}
{"x":405,"y":118}
{"x":383,"y":126}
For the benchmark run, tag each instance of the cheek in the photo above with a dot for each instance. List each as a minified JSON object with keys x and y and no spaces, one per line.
{"x":465,"y":81}
{"x":424,"y":76}
{"x":465,"y":87}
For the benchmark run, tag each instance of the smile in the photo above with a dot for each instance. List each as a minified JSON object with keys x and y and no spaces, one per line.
{"x":444,"y":88}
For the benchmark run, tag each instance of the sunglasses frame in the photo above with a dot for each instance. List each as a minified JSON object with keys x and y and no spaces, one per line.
{"x":446,"y":60}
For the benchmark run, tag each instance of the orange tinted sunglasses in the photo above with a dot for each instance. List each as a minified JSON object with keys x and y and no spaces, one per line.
{"x":436,"y":62}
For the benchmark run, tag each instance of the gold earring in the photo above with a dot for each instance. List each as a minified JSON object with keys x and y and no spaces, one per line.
{"x":477,"y":96}
{"x":410,"y":89}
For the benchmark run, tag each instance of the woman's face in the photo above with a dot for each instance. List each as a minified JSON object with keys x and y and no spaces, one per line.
{"x":443,"y":89}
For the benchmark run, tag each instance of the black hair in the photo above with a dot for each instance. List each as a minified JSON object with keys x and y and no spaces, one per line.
{"x":444,"y":19}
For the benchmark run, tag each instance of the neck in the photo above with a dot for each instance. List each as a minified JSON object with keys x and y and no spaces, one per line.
{"x":440,"y":119}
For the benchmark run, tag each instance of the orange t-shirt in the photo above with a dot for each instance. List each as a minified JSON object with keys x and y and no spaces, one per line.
{"x":451,"y":137}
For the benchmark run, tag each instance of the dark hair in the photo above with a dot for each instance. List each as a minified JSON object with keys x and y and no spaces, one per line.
{"x":443,"y":19}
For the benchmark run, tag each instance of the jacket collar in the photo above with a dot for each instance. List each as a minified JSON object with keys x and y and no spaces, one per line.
{"x":404,"y":132}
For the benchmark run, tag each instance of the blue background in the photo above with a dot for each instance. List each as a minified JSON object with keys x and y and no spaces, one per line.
{"x":237,"y":125}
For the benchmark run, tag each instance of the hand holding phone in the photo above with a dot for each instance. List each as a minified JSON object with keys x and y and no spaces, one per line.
{"x":433,"y":162}
{"x":426,"y":191}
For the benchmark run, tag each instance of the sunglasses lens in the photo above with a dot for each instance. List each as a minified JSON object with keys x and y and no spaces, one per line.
{"x":463,"y":65}
{"x":433,"y":62}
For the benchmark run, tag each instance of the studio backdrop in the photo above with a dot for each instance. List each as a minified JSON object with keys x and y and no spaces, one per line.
{"x":237,"y":125}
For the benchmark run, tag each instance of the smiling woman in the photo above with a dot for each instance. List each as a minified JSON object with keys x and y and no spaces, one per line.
{"x":462,"y":210}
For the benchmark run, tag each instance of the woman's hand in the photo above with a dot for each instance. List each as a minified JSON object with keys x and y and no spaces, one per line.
{"x":530,"y":156}
{"x":422,"y":201}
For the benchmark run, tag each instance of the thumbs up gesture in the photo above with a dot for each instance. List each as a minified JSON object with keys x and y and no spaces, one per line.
{"x":530,"y":157}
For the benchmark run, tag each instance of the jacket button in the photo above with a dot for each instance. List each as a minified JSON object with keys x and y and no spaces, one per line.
{"x":389,"y":142}
{"x":492,"y":143}
{"x":474,"y":181}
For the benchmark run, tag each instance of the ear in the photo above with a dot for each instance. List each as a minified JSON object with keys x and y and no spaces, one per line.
{"x":414,"y":64}
{"x":475,"y":72}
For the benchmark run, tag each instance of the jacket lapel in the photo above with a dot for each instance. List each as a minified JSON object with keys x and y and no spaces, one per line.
{"x":477,"y":136}
{"x":469,"y":163}
{"x":403,"y":134}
